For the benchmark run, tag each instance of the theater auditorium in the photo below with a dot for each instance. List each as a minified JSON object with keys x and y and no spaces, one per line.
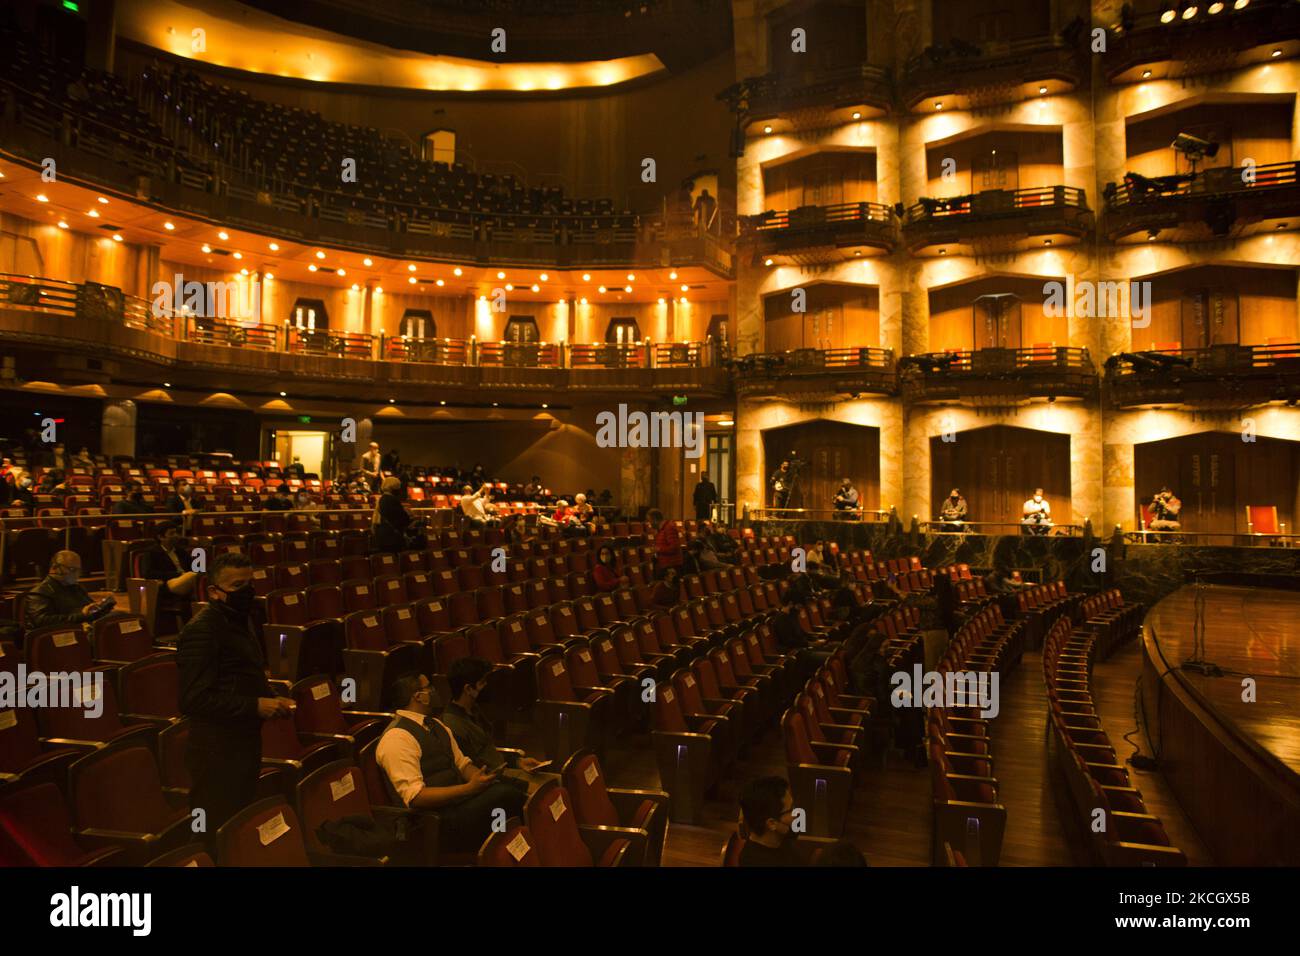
{"x":649,"y":433}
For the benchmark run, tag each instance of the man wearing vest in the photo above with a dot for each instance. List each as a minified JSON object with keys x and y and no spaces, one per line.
{"x":424,"y":769}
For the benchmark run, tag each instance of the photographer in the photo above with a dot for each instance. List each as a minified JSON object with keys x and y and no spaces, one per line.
{"x":781,"y":482}
{"x":953,"y":512}
{"x":1165,"y":509}
{"x":1037,"y":514}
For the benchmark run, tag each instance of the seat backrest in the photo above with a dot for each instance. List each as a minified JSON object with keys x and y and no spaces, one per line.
{"x":554,"y":826}
{"x":119,"y":788}
{"x":794,"y":732}
{"x":59,"y":649}
{"x":513,"y":847}
{"x":329,"y":793}
{"x":266,"y":833}
{"x":122,"y":639}
{"x":151,"y":686}
{"x":585,"y":782}
{"x":320,"y":707}
{"x":35,"y":829}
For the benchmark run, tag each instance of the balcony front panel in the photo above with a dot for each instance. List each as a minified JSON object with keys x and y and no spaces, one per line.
{"x":975,"y":77}
{"x":815,"y":374}
{"x":997,"y":376}
{"x":818,"y":234}
{"x":788,"y":102}
{"x":997,"y":220}
{"x":1222,"y":377}
{"x":1217,"y":202}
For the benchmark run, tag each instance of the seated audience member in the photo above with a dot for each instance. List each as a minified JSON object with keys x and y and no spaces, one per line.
{"x":56,"y":460}
{"x":607,"y":572}
{"x":701,"y":554}
{"x":171,"y":564}
{"x":1037,"y":514}
{"x":279,"y":500}
{"x":53,"y":482}
{"x":183,"y":500}
{"x":668,"y":541}
{"x":767,"y":809}
{"x":533,"y":490}
{"x":722,"y":543}
{"x":133,"y":503}
{"x":468,"y":680}
{"x":82,"y":459}
{"x":840,"y":853}
{"x":668,"y":592}
{"x":952,"y":512}
{"x":391,"y":525}
{"x":425,"y":769}
{"x":846,"y":500}
{"x":584,"y":514}
{"x":473,"y":504}
{"x":60,"y":600}
{"x":568,"y":522}
{"x":23,"y":492}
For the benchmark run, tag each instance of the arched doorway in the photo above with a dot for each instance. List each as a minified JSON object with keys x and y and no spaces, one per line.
{"x":831,"y":450}
{"x":997,"y":467}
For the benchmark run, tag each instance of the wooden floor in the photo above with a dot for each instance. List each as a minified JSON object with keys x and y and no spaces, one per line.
{"x":1249,"y":632}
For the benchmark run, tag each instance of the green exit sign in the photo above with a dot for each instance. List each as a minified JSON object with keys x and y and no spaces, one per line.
{"x":305,"y":419}
{"x":69,"y":5}
{"x":679,"y":399}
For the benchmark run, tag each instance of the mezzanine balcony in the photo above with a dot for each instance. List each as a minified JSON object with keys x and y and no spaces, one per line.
{"x":998,"y":377}
{"x":997,"y":220}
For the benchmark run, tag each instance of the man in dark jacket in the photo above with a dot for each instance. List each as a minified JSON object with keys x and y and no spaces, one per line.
{"x":133,"y":503}
{"x":171,"y":564}
{"x":704,"y":497}
{"x":225,"y":694}
{"x":59,"y":600}
{"x":467,"y":678}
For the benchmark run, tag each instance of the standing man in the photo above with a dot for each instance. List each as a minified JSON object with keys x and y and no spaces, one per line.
{"x":705,"y":497}
{"x":668,"y":543}
{"x":370,"y":464}
{"x":225,"y":694}
{"x":780,"y":482}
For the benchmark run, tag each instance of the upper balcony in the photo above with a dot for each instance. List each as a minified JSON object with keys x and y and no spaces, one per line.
{"x":1160,"y":46}
{"x":94,"y":334}
{"x":998,"y":377}
{"x":997,"y":220}
{"x":819,"y":234}
{"x":155,"y":171}
{"x":964,"y":76}
{"x":786,"y":101}
{"x":1226,"y":376}
{"x":810,"y":373}
{"x":1216,"y":202}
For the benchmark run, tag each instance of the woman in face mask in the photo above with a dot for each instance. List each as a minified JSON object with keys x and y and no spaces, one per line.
{"x":606,"y":573}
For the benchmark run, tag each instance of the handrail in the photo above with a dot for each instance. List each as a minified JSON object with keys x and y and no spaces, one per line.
{"x":1137,"y":189}
{"x":993,"y":360}
{"x":994,"y":202}
{"x":742,"y":96}
{"x":817,"y":514}
{"x":1053,"y":530}
{"x":990,"y":54}
{"x":1213,"y":358}
{"x":815,"y":360}
{"x":816,"y":217}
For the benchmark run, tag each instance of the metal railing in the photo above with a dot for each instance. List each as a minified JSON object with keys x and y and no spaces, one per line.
{"x":790,"y":90}
{"x":987,"y":361}
{"x":1215,"y":181}
{"x":1227,"y":356}
{"x":815,"y":218}
{"x":977,"y":60}
{"x":1002,"y":527}
{"x":813,"y":360}
{"x":993,"y":203}
{"x":817,"y":514}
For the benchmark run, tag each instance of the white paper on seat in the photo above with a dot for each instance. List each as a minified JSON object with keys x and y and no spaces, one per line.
{"x":272,"y":829}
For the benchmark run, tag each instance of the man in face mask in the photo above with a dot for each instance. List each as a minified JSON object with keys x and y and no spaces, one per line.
{"x":224,"y":693}
{"x":171,"y":564}
{"x":468,"y":680}
{"x":1037,"y":514}
{"x":133,"y":503}
{"x":60,"y":600}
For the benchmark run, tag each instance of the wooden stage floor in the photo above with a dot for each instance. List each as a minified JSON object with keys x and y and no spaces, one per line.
{"x":1249,"y":632}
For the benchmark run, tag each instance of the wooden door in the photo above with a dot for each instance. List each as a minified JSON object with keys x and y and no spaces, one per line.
{"x":997,"y":467}
{"x":832,"y":451}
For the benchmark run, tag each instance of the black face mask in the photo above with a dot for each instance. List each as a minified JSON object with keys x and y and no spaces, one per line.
{"x":240,"y":601}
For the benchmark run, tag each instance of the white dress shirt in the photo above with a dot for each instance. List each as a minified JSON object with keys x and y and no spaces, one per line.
{"x":398,"y":754}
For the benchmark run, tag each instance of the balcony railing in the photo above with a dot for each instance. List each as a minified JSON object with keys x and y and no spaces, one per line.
{"x":90,"y":303}
{"x":849,"y":370}
{"x":841,"y":224}
{"x":1208,"y":204}
{"x":1206,"y":43}
{"x":997,"y":215}
{"x":996,"y":72}
{"x":998,"y":375}
{"x":761,"y":97}
{"x":1227,"y":375}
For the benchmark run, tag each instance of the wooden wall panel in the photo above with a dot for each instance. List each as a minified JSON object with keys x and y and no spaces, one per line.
{"x":998,"y":467}
{"x":1027,"y":160}
{"x":1258,"y":131}
{"x":821,"y":179}
{"x":837,"y":316}
{"x":834,"y":450}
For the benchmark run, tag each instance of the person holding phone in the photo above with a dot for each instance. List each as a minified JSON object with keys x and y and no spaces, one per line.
{"x":60,"y":600}
{"x":425,"y":769}
{"x":468,"y":679}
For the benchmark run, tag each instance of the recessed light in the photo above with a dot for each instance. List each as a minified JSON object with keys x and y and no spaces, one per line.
{"x":342,"y":272}
{"x":1042,"y":89}
{"x":239,"y":255}
{"x":392,"y":401}
{"x":443,"y":402}
{"x":586,"y":277}
{"x":311,"y":267}
{"x":683,"y":300}
{"x":243,"y":271}
{"x":319,"y":254}
{"x":439,"y":283}
{"x":938,"y":104}
{"x":673,"y":275}
{"x":274,"y":247}
{"x":379,"y":290}
{"x":283,"y":394}
{"x":661,"y":300}
{"x":545,"y":405}
{"x":117,"y":237}
{"x":410,"y":268}
{"x":1190,"y":11}
{"x":543,"y":277}
{"x":411,"y":280}
{"x":1047,"y":242}
{"x":1146,"y":74}
{"x":167,"y":384}
{"x":767,"y":262}
{"x":536,"y":287}
{"x":627,"y":288}
{"x":1215,"y":7}
{"x":102,"y":201}
{"x":767,"y":129}
{"x":62,"y":224}
{"x":41,"y":197}
{"x":223,"y":236}
{"x":600,"y":289}
{"x":169,"y":226}
{"x":510,"y":287}
{"x":367,"y":262}
{"x":457,"y":271}
{"x":355,"y":287}
{"x":501,"y":275}
{"x":268,"y":276}
{"x":857,"y":115}
{"x":206,"y":247}
{"x":943,"y":252}
{"x":631,"y":277}
{"x":1277,"y":53}
{"x":685,"y":288}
